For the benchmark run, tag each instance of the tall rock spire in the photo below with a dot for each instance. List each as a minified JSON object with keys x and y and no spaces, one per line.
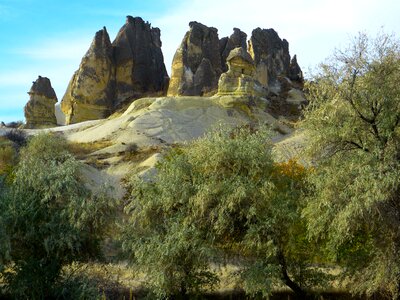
{"x":196,"y":66}
{"x":90,"y":93}
{"x":139,"y":61}
{"x":270,"y":54}
{"x":40,"y":111}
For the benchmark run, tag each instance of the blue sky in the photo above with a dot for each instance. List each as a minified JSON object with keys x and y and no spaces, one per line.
{"x":49,"y":38}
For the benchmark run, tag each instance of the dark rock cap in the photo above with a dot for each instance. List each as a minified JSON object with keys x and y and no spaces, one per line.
{"x":242,"y":53}
{"x":42,"y":86}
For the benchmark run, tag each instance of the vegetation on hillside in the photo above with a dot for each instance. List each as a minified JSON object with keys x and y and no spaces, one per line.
{"x":49,"y":219}
{"x":353,"y":124}
{"x":220,"y":197}
{"x":223,"y":199}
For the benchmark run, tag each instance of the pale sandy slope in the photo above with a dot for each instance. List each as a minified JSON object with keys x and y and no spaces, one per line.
{"x":152,"y":125}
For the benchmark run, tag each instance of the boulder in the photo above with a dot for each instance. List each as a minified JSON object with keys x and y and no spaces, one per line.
{"x":90,"y":93}
{"x":226,"y":45}
{"x":270,"y":54}
{"x":196,"y":65}
{"x":239,"y":79}
{"x":39,"y":111}
{"x":139,"y":61}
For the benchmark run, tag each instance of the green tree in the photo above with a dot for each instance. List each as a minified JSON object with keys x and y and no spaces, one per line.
{"x":220,"y":195}
{"x":353,"y":127}
{"x":49,"y":218}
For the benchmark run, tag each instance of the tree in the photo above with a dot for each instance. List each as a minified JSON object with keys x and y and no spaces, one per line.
{"x":49,"y":218}
{"x":353,"y":128}
{"x":220,"y":195}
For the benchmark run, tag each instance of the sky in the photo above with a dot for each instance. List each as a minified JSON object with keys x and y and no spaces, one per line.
{"x":50,"y":37}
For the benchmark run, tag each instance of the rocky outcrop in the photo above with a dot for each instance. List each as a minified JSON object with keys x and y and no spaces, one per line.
{"x":139,"y":61}
{"x":90,"y":93}
{"x":295,"y":72}
{"x":39,"y":111}
{"x":112,"y":75}
{"x":270,"y":54}
{"x":239,"y":79}
{"x":227,"y":44}
{"x":196,"y":65}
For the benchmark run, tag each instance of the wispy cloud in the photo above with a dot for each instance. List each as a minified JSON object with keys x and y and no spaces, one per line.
{"x":63,"y":48}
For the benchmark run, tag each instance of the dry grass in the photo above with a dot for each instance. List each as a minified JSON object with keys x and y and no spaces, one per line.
{"x":135,"y":154}
{"x":82,"y":150}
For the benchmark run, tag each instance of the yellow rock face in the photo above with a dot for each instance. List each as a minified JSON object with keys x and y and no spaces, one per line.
{"x":89,"y":94}
{"x":40,"y":111}
{"x":239,"y":79}
{"x":178,"y":70}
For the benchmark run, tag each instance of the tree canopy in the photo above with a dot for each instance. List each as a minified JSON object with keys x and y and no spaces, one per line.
{"x":218,"y":197}
{"x":353,"y":128}
{"x":49,"y":218}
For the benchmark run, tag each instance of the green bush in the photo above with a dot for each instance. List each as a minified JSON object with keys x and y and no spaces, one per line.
{"x":353,"y":129}
{"x":49,"y":217}
{"x":220,"y":196}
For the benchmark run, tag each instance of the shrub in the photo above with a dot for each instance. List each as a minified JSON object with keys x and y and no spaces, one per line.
{"x":49,"y":217}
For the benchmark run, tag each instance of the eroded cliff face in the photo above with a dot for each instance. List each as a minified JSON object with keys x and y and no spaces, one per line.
{"x":90,"y":93}
{"x":139,"y":62}
{"x":195,"y":69}
{"x":196,"y":65}
{"x":238,"y":39}
{"x":40,"y":111}
{"x":239,"y":80}
{"x":270,"y":54}
{"x":111,"y":75}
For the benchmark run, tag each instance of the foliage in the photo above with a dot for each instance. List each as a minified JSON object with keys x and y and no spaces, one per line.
{"x":17,"y":136}
{"x":8,"y":159}
{"x":220,"y":194}
{"x":50,"y":218}
{"x":353,"y":124}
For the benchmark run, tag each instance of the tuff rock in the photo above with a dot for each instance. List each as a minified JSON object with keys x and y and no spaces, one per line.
{"x":112,"y":75}
{"x":239,"y":79}
{"x":89,"y":94}
{"x":39,"y":111}
{"x":295,"y":73}
{"x":270,"y":54}
{"x":139,"y":61}
{"x":227,"y":44}
{"x":196,"y":65}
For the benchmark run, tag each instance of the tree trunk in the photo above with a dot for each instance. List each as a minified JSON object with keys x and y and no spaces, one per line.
{"x":299,"y":292}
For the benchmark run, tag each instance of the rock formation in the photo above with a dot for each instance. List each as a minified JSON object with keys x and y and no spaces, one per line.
{"x":295,"y":73}
{"x":270,"y":54}
{"x":239,"y":80}
{"x":39,"y":111}
{"x":139,"y":61}
{"x":226,"y":45}
{"x":90,"y":92}
{"x":196,"y":65}
{"x":112,"y":75}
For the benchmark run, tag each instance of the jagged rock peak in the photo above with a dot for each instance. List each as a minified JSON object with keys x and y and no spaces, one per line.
{"x":139,"y":61}
{"x":90,"y":92}
{"x":295,"y":72}
{"x":227,"y":44}
{"x":196,"y":65}
{"x":101,"y":44}
{"x":40,"y":111}
{"x":271,"y":55}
